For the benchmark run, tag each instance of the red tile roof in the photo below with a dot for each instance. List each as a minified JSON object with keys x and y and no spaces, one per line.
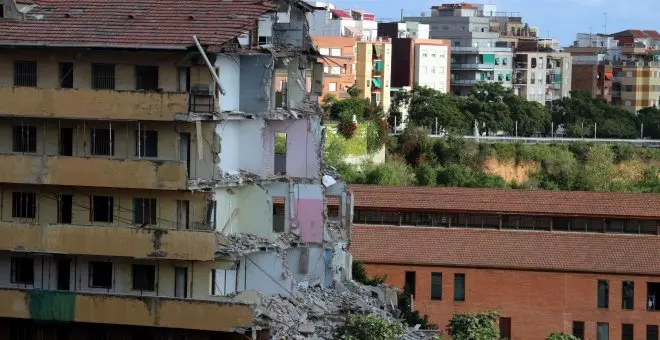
{"x":137,"y":23}
{"x":653,"y":34}
{"x":507,"y":201}
{"x":340,"y":13}
{"x":556,"y":251}
{"x":638,"y":34}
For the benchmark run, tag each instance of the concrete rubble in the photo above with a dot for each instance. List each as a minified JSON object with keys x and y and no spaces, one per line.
{"x":242,"y":244}
{"x":305,"y":108}
{"x":314,"y":312}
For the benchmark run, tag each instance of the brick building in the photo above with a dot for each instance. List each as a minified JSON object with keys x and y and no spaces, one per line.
{"x":339,"y":63}
{"x":577,"y":262}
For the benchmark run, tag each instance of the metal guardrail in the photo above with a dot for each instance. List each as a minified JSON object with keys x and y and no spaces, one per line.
{"x":652,"y":143}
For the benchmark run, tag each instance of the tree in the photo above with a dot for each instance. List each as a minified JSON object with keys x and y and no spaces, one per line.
{"x":597,"y":172}
{"x":487,"y":104}
{"x":327,"y":102}
{"x":412,"y":317}
{"x":427,"y":105}
{"x":474,"y":326}
{"x":359,"y":273}
{"x":399,"y":102}
{"x":649,"y":120}
{"x":360,"y":327}
{"x":561,"y":336}
{"x":532,"y":117}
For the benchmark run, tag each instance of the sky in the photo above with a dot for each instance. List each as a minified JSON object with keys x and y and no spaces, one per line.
{"x":560,"y":19}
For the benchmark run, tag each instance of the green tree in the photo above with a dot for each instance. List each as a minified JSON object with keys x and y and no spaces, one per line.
{"x":487,"y":104}
{"x":650,"y":119}
{"x":327,"y":102}
{"x":427,"y":105}
{"x":596,"y":174}
{"x":360,"y":327}
{"x":474,"y":326}
{"x":412,"y":317}
{"x":359,"y":273}
{"x":532,"y":117}
{"x":392,"y":172}
{"x":561,"y":336}
{"x":399,"y":101}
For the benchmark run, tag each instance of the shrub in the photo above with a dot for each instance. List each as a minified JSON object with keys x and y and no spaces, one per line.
{"x":623,"y":152}
{"x":360,"y":327}
{"x":426,"y":175}
{"x":346,"y":129}
{"x":473,"y":326}
{"x":359,"y":273}
{"x":561,"y":336}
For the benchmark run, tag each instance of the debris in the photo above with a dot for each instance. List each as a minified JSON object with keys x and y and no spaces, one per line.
{"x":242,"y":244}
{"x":304,"y":108}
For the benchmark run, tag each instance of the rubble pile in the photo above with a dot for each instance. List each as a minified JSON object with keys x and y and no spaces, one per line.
{"x":238,"y":177}
{"x":306,"y":107}
{"x":241,"y":244}
{"x":314,"y":312}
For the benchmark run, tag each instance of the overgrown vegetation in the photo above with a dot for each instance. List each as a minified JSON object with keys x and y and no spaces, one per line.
{"x":474,"y":326}
{"x":360,"y":275}
{"x":561,"y":336}
{"x":412,"y":317}
{"x":360,"y":327}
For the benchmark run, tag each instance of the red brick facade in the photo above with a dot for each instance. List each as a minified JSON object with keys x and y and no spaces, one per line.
{"x":538,"y":303}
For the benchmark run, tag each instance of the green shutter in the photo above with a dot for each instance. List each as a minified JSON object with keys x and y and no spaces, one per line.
{"x":379,"y":66}
{"x":500,"y":77}
{"x":489,"y":58}
{"x":497,"y":61}
{"x":376,"y":82}
{"x":482,"y":76}
{"x":508,"y":76}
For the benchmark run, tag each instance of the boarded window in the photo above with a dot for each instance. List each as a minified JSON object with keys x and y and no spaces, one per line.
{"x":24,"y":205}
{"x":100,"y":274}
{"x":144,"y":211}
{"x":144,"y":277}
{"x":24,"y":139}
{"x":103,"y":76}
{"x":25,"y":73}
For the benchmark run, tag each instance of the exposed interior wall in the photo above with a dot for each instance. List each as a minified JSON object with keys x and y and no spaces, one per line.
{"x":264,"y":271}
{"x":242,"y":146}
{"x":303,"y":146}
{"x":246,"y":209}
{"x":230,"y":78}
{"x":256,"y":81}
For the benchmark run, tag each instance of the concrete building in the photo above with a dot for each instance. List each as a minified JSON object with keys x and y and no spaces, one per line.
{"x":542,"y":76}
{"x":327,"y":20}
{"x":125,"y":165}
{"x":591,"y":71}
{"x":374,"y":71}
{"x":412,"y":30}
{"x":478,"y":54}
{"x":339,"y":64}
{"x":580,"y":263}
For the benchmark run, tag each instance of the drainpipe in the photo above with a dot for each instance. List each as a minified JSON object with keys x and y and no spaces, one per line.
{"x":208,"y":64}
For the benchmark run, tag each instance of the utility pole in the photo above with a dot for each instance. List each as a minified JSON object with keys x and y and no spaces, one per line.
{"x":402,"y":15}
{"x":595,"y":129}
{"x":641,"y":132}
{"x":516,"y":129}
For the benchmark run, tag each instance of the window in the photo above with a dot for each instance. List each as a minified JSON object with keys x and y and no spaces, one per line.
{"x":626,"y":331}
{"x":505,"y":328}
{"x":432,"y":69}
{"x":103,"y":142}
{"x":102,"y":209}
{"x":409,"y":286}
{"x":602,"y":331}
{"x":146,"y":143}
{"x":66,"y":75}
{"x":223,"y":282}
{"x":627,"y":295}
{"x":326,"y":69}
{"x":651,"y":332}
{"x":23,"y":205}
{"x":103,"y":76}
{"x":629,"y":74}
{"x":459,"y":287}
{"x":425,"y":70}
{"x":578,"y":329}
{"x":335,"y":70}
{"x":22,"y":270}
{"x":25,"y":139}
{"x":144,"y":211}
{"x":603,"y":293}
{"x":335,"y":52}
{"x":332,"y":87}
{"x":436,"y":286}
{"x":628,"y":103}
{"x":146,"y":78}
{"x":324,"y":51}
{"x":144,"y":277}
{"x":652,"y":291}
{"x":25,"y":73}
{"x":100,"y":274}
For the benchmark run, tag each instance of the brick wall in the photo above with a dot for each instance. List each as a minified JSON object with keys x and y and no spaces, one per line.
{"x":538,"y":303}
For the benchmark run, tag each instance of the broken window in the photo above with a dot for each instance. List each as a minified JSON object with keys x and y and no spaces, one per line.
{"x":459,"y":287}
{"x":603,"y":293}
{"x":627,"y":331}
{"x":409,"y":287}
{"x":24,"y":205}
{"x":22,"y":270}
{"x":144,"y":277}
{"x":578,"y":329}
{"x":280,"y":153}
{"x":223,"y":282}
{"x":144,"y":211}
{"x":25,"y":73}
{"x":64,"y":209}
{"x":146,"y":143}
{"x":25,"y":138}
{"x":103,"y":76}
{"x":103,"y":142}
{"x":102,"y":209}
{"x":146,"y":78}
{"x":100,"y":274}
{"x":66,"y":75}
{"x":278,"y":214}
{"x":627,"y":295}
{"x":436,"y":286}
{"x":652,"y":291}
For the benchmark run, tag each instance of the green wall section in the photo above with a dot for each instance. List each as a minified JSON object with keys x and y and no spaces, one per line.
{"x":52,"y":306}
{"x":356,"y":146}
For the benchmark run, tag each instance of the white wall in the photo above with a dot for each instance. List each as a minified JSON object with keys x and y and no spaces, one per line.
{"x":431,"y":66}
{"x":246,"y":209}
{"x":230,"y":78}
{"x":242,"y":145}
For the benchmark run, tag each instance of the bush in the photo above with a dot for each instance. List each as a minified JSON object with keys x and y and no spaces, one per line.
{"x":346,"y":129}
{"x":359,"y":327}
{"x":456,"y":175}
{"x":426,"y":175}
{"x":474,"y":326}
{"x":359,"y":273}
{"x":623,"y":152}
{"x":561,"y":336}
{"x":392,"y":172}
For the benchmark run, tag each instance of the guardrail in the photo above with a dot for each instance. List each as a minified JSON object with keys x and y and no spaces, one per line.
{"x":651,"y":143}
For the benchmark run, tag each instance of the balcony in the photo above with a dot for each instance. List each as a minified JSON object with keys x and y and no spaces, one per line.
{"x":464,"y":82}
{"x":473,"y":66}
{"x":108,"y":241}
{"x":93,"y":172}
{"x":477,"y":50}
{"x":91,"y":104}
{"x":125,"y":310}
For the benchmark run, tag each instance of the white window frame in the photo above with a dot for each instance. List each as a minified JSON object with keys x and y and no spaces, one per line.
{"x":332,"y":87}
{"x":324,"y":51}
{"x":326,"y":69}
{"x":335,"y":52}
{"x":335,"y":70}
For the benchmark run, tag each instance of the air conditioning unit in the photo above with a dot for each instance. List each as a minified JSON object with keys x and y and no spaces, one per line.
{"x":202,"y":89}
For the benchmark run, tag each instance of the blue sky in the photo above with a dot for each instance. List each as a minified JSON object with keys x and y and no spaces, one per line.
{"x":562,"y":19}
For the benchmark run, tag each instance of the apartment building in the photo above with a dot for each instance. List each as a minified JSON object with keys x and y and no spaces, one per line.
{"x":580,"y":263}
{"x":478,"y":54}
{"x":122,"y":171}
{"x":591,"y":71}
{"x":409,"y":29}
{"x":542,"y":76}
{"x":339,"y":63}
{"x":327,"y":20}
{"x":374,"y":71}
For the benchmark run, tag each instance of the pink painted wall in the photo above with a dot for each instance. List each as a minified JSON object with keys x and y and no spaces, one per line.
{"x":303,"y":139}
{"x":309,"y":215}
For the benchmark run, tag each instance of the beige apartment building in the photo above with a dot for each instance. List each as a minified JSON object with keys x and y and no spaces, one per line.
{"x":374,"y":71}
{"x":636,"y":84}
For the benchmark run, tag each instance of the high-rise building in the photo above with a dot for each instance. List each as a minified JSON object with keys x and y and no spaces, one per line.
{"x":327,"y":20}
{"x":374,"y":71}
{"x":141,"y":143}
{"x":542,"y":76}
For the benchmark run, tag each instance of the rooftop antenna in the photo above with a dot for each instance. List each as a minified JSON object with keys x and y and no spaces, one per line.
{"x":402,"y":15}
{"x":605,"y":26}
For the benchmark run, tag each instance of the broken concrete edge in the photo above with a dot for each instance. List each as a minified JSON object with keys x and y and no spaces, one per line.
{"x":241,"y":244}
{"x":244,"y":178}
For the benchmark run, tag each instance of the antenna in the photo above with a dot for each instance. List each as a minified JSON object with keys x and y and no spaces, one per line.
{"x":402,"y":15}
{"x":605,"y":26}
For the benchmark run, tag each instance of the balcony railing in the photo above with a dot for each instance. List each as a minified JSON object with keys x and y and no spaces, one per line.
{"x":62,"y":306}
{"x":473,"y":66}
{"x":459,"y":49}
{"x":92,"y":104}
{"x":93,"y":172}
